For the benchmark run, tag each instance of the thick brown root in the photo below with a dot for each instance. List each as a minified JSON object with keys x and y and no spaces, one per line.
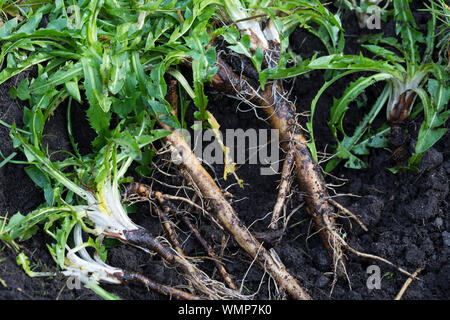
{"x":128,"y":276}
{"x":281,"y":113}
{"x":195,"y":173}
{"x":226,"y":214}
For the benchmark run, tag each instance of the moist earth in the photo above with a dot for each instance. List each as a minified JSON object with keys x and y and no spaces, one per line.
{"x":406,"y":213}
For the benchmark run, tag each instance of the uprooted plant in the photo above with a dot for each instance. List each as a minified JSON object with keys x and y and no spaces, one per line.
{"x":281,"y":113}
{"x":101,"y":215}
{"x":267,"y":48}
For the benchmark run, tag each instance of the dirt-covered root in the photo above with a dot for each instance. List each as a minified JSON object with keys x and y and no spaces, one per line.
{"x":281,"y":115}
{"x":310,"y":179}
{"x":210,"y":289}
{"x":128,"y":276}
{"x":167,"y":224}
{"x":194,"y":172}
{"x":220,"y":267}
{"x":168,"y":206}
{"x":144,"y":192}
{"x":283,"y":189}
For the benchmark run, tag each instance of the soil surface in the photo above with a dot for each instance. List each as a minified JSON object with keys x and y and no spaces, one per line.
{"x":406,"y":213}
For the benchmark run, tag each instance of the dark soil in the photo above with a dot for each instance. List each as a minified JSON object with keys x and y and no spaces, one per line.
{"x":406,"y":213}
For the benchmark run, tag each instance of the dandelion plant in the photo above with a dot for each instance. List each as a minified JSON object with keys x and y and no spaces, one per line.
{"x":407,"y":75}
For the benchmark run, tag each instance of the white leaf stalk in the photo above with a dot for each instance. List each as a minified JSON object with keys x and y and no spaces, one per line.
{"x":267,"y":39}
{"x":251,"y":27}
{"x":86,"y":268}
{"x":272,"y":55}
{"x":91,"y":271}
{"x":271,"y":32}
{"x":103,"y":209}
{"x":106,"y":211}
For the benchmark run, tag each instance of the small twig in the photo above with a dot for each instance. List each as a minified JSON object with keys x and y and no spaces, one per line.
{"x":3,"y":283}
{"x":407,"y":283}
